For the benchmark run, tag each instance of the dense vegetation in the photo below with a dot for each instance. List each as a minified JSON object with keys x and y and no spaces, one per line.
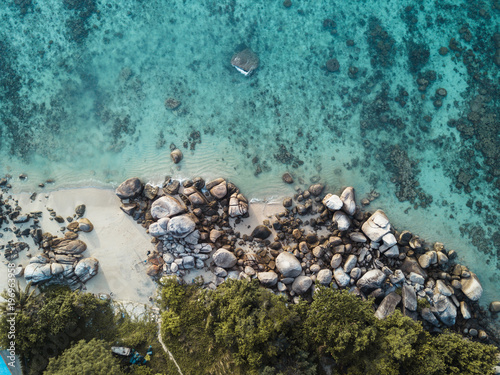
{"x":59,"y":323}
{"x":240,"y":328}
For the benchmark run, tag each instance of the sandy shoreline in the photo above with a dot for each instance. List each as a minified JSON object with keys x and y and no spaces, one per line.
{"x":117,"y":241}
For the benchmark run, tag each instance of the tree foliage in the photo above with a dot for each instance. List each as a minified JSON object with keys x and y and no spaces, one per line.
{"x":86,"y":358}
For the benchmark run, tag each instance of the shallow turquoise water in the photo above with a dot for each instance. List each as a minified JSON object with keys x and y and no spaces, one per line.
{"x":84,"y":85}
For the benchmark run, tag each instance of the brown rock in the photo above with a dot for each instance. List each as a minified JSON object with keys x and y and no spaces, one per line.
{"x":176,"y":156}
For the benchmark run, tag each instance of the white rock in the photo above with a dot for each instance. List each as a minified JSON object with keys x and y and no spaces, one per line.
{"x":156,"y":230}
{"x":332,"y":202}
{"x":167,"y":206}
{"x":389,"y":240}
{"x":301,"y":284}
{"x":342,"y":221}
{"x":224,"y":258}
{"x":324,"y":277}
{"x":268,"y":279}
{"x":472,"y":287}
{"x":347,"y":197}
{"x":288,"y":265}
{"x":341,"y":277}
{"x":180,"y":226}
{"x":377,"y":226}
{"x":350,"y":263}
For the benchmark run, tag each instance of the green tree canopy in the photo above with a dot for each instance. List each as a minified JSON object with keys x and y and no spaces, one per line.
{"x":85,"y":358}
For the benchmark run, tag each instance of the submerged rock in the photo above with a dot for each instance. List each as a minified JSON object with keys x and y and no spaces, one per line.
{"x":245,"y":61}
{"x":176,"y":156}
{"x":180,"y":226}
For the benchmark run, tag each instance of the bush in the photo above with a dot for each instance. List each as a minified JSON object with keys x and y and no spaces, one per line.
{"x":86,"y":358}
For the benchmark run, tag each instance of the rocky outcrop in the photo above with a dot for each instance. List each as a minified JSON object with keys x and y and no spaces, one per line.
{"x":130,"y":188}
{"x":86,"y":269}
{"x":472,"y":287}
{"x":347,"y":198}
{"x":371,"y":280}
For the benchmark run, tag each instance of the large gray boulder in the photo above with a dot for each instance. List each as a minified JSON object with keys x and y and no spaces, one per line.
{"x":324,"y":277}
{"x":245,"y":61}
{"x":167,"y":206}
{"x":268,"y":279}
{"x":371,"y":280}
{"x":129,"y":189}
{"x":388,"y":305}
{"x":445,"y":309}
{"x":288,"y":265}
{"x":342,"y":278}
{"x":156,"y":230}
{"x":180,"y":226}
{"x":472,"y":287}
{"x":332,"y":202}
{"x":36,"y":272}
{"x":376,"y":226}
{"x":238,"y":205}
{"x":409,"y":298}
{"x":224,"y":258}
{"x":342,"y":220}
{"x":70,"y":247}
{"x":349,"y":204}
{"x":86,"y":269}
{"x":301,"y":284}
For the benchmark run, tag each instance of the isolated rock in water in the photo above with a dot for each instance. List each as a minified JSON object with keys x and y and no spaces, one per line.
{"x":156,"y":230}
{"x":495,"y":306}
{"x":167,"y":206}
{"x":342,"y":221}
{"x":245,"y":61}
{"x":472,"y":287}
{"x":85,"y":225}
{"x":288,"y":265}
{"x":130,"y":188}
{"x":70,"y":247}
{"x":332,"y":202}
{"x":176,"y":156}
{"x":388,"y":305}
{"x":261,"y":231}
{"x":371,"y":280}
{"x":268,"y":279}
{"x":238,"y":205}
{"x":86,"y":269}
{"x":301,"y":284}
{"x":347,"y":197}
{"x":324,"y":277}
{"x":287,"y":178}
{"x":36,"y":272}
{"x":180,"y":226}
{"x":316,"y":189}
{"x":376,"y":226}
{"x":224,"y":258}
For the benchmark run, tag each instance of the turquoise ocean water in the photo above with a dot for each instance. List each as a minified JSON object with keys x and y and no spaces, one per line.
{"x":83,"y":85}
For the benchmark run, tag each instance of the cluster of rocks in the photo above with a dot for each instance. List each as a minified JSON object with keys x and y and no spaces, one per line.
{"x":319,"y":239}
{"x":183,"y":224}
{"x":61,"y":259}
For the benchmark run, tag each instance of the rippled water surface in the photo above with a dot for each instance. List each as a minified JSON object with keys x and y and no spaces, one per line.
{"x":84,"y":85}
